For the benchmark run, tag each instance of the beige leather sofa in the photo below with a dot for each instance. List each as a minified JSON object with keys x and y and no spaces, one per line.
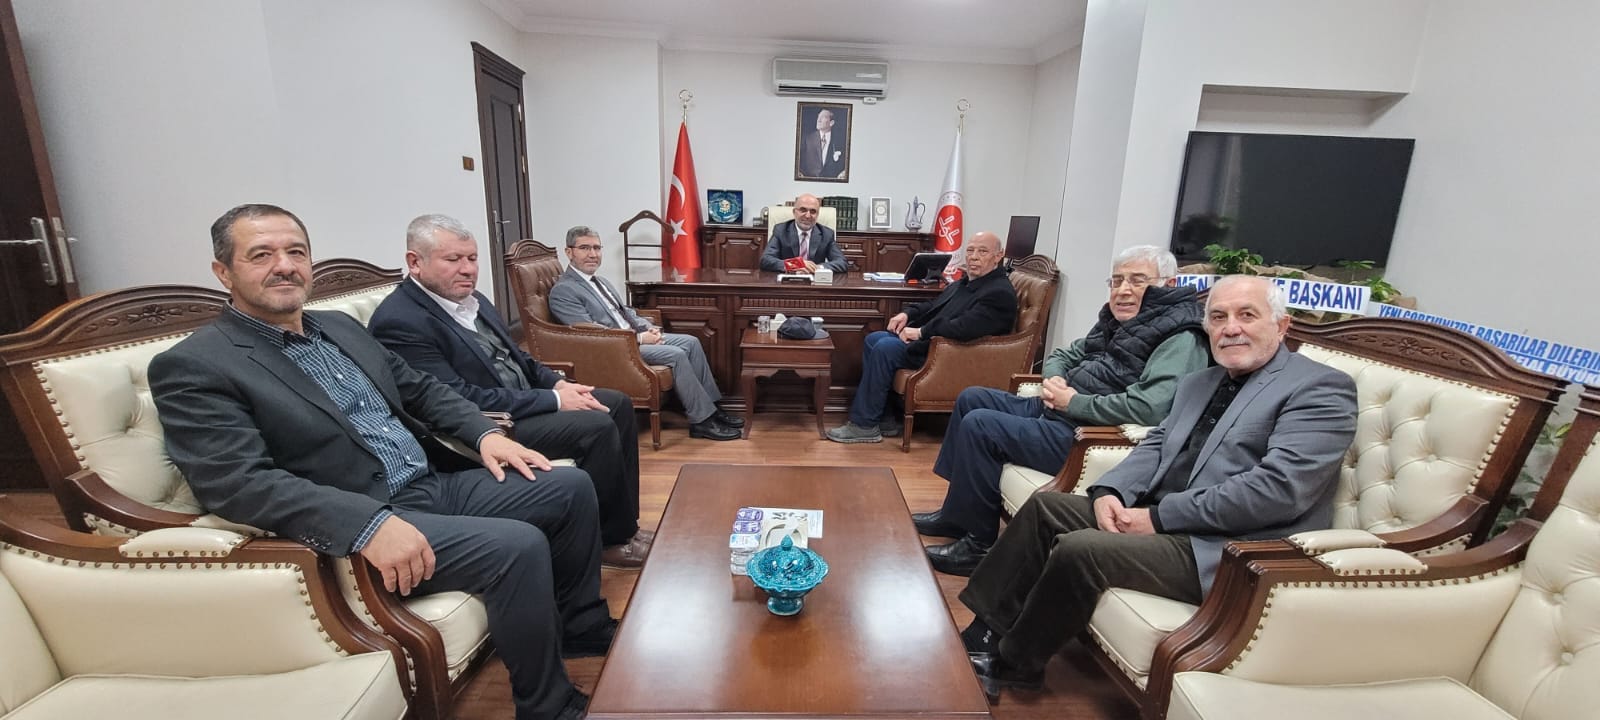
{"x":77,"y":381}
{"x":180,"y":624}
{"x":1444,"y":422}
{"x":1508,"y":629}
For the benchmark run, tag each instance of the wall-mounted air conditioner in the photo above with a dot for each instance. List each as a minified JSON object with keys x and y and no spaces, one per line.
{"x":830,"y":78}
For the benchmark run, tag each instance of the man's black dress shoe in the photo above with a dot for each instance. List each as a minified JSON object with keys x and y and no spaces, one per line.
{"x":576,"y":708}
{"x":958,"y":558}
{"x":710,"y":429}
{"x":994,"y":671}
{"x":933,"y":524}
{"x":728,"y":419}
{"x":594,"y":642}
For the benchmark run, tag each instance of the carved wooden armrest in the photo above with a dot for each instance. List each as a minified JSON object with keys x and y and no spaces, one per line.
{"x":1087,"y":436}
{"x":651,"y":314}
{"x":89,"y":495}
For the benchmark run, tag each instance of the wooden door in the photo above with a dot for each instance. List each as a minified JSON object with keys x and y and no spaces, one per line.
{"x":36,"y":272}
{"x":503,"y":133}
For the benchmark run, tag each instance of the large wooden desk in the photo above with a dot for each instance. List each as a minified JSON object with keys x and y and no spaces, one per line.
{"x":738,"y":248}
{"x":717,"y":305}
{"x":874,"y":640}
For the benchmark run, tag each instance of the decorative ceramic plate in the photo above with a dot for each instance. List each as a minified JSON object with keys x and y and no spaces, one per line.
{"x":725,"y":206}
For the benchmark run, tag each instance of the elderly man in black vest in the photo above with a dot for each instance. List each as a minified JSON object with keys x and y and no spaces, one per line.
{"x":1125,"y":370}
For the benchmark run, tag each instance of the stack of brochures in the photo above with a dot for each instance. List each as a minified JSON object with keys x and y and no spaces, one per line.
{"x":758,"y":528}
{"x":885,"y":277}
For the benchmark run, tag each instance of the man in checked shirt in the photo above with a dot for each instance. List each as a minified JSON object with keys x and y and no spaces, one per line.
{"x":300,"y":423}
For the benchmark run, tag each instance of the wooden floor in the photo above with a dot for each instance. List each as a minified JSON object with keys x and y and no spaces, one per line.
{"x":1075,"y":688}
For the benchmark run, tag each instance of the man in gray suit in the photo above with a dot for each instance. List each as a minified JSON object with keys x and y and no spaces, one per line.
{"x":804,"y":238}
{"x":1250,"y":451}
{"x":581,"y":296}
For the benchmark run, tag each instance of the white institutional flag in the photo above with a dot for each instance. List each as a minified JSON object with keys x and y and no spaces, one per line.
{"x":947,"y":222}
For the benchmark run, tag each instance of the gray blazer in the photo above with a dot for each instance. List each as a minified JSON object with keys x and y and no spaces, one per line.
{"x":1269,"y":468}
{"x":573,"y":300}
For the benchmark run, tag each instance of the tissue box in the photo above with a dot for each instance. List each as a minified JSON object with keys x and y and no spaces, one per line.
{"x":822,"y":276}
{"x":758,"y":528}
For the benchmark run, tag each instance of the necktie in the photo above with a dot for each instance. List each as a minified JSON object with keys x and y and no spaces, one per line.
{"x":616,"y":307}
{"x":805,"y":245}
{"x":824,"y":145}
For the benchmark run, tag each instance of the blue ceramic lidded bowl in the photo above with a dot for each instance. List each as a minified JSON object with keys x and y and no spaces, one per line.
{"x":786,"y":573}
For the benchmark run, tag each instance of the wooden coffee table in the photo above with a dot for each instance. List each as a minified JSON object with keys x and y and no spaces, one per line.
{"x":766,"y":354}
{"x":874,"y":639}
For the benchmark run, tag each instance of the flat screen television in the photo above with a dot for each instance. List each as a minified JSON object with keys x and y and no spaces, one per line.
{"x":1296,"y":200}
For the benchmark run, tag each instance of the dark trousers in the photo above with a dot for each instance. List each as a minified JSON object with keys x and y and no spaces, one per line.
{"x":605,"y":445}
{"x":531,"y":550}
{"x":882,"y":354}
{"x":988,"y":429}
{"x":1039,"y":585}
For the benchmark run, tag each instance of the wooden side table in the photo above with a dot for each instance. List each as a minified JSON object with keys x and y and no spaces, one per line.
{"x":765,"y":354}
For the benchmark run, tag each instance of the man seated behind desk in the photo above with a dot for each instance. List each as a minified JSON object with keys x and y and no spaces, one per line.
{"x":581,"y":296}
{"x":300,"y":423}
{"x":1251,"y":451}
{"x":803,"y":238}
{"x":980,"y":304}
{"x":1124,"y":371}
{"x":442,"y":326}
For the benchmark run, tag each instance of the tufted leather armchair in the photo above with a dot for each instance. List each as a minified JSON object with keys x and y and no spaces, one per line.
{"x":599,"y":356}
{"x":988,"y":362}
{"x":1444,"y":423}
{"x":77,"y":381}
{"x":1507,"y":629}
{"x":181,"y":623}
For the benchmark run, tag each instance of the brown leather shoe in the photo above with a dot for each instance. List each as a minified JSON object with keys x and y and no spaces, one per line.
{"x":630,"y":554}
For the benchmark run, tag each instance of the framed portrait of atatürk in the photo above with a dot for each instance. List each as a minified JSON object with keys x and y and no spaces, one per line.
{"x":822,"y":142}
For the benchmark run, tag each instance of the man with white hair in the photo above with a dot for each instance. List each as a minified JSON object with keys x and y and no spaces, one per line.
{"x":1125,"y":370}
{"x":440,"y":324}
{"x":1251,"y":451}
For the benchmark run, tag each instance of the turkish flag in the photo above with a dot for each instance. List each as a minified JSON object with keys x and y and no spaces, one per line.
{"x":682,"y":250}
{"x":947,"y":221}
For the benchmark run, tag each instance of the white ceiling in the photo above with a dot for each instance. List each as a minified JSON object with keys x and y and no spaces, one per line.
{"x":972,"y":31}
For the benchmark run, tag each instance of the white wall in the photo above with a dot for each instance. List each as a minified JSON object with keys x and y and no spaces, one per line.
{"x":1055,"y":85}
{"x":742,"y":134}
{"x":378,"y":105}
{"x":151,"y":137}
{"x":594,"y":149}
{"x":1496,"y":225}
{"x":161,"y":115}
{"x":1109,"y":60}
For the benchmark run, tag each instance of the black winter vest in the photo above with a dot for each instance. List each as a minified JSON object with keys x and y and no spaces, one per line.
{"x":1115,"y":353}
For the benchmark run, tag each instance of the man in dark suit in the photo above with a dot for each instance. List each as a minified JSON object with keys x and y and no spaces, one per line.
{"x":582,"y":296}
{"x":803,"y":238}
{"x":823,"y":152}
{"x":981,"y":303}
{"x":442,"y":326}
{"x":301,"y":424}
{"x":1251,"y":451}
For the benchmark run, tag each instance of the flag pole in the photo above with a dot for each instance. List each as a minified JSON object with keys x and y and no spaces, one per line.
{"x":685,"y":97}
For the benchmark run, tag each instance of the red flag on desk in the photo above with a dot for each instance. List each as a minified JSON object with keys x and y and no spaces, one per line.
{"x":682,"y":251}
{"x":947,"y":222}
